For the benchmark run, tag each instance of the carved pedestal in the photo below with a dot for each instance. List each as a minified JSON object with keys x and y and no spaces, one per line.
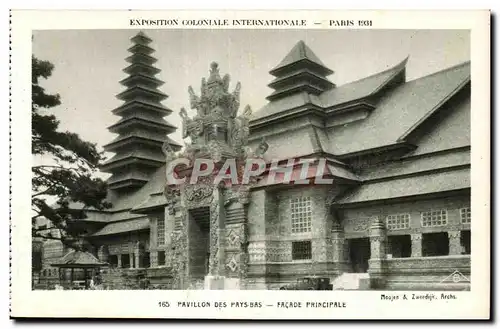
{"x":339,"y":248}
{"x":378,"y":245}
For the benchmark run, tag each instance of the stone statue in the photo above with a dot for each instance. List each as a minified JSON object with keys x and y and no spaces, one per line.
{"x":235,"y":101}
{"x":215,"y":94}
{"x":258,"y":152}
{"x":185,"y":121}
{"x":168,"y":151}
{"x":194,"y":100}
{"x":225,"y":82}
{"x":241,"y":130}
{"x":261,"y":149}
{"x":191,"y":128}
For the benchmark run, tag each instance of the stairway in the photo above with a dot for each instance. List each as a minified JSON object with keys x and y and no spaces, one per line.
{"x":352,"y":281}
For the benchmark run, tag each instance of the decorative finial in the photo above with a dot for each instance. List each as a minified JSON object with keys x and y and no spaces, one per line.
{"x":214,"y":73}
{"x":248,"y":111}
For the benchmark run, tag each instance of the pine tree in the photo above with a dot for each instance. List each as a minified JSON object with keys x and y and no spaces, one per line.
{"x":69,"y":178}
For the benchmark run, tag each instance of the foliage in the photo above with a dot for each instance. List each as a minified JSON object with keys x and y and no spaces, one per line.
{"x":67,"y":175}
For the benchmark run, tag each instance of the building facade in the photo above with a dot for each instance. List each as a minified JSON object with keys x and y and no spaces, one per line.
{"x":395,"y":213}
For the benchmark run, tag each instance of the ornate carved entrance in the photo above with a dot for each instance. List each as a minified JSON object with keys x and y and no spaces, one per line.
{"x":210,"y":213}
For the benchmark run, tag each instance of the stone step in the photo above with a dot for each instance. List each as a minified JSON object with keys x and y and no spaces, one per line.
{"x":352,"y":281}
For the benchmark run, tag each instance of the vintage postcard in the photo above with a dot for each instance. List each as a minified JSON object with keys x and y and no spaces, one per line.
{"x":250,"y":164}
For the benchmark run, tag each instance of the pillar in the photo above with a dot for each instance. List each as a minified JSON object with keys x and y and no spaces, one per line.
{"x":137,"y":253}
{"x":137,"y":259}
{"x":338,"y":247}
{"x":119,"y":260}
{"x":215,"y":279}
{"x":455,"y":248}
{"x":378,"y":240}
{"x":416,"y":245}
{"x":103,"y":253}
{"x":221,"y":232}
{"x":236,"y":239}
{"x":153,"y":258}
{"x":244,"y":258}
{"x":378,"y":251}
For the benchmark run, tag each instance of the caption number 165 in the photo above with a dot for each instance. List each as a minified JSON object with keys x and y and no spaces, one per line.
{"x":163,"y":304}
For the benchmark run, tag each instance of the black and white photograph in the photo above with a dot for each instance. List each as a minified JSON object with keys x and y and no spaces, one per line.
{"x":382,"y":117}
{"x":233,"y":164}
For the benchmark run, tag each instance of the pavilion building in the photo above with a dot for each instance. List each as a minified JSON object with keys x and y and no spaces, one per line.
{"x":397,"y":212}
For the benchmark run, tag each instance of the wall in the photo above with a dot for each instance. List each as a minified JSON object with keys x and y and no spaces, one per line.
{"x":272,"y":224}
{"x":135,"y":279}
{"x":443,"y":273}
{"x":269,"y":216}
{"x":271,"y":237}
{"x":357,"y":221}
{"x":119,"y":279}
{"x":414,"y":272}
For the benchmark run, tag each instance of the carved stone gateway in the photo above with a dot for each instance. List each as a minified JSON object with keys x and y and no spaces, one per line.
{"x":216,"y":133}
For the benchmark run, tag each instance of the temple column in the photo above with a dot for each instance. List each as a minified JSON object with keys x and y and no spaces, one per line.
{"x":215,"y":279}
{"x":236,"y":246}
{"x":137,"y":253}
{"x":416,"y":245}
{"x":119,"y":263}
{"x":153,"y":258}
{"x":244,"y":258}
{"x":103,"y":253}
{"x":378,"y":246}
{"x":338,"y":246}
{"x":455,"y":248}
{"x":131,"y":260}
{"x":137,"y":260}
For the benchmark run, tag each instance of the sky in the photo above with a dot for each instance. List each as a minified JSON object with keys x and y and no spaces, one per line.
{"x":89,"y":63}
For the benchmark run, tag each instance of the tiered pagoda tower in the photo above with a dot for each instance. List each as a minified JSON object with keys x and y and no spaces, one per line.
{"x":142,"y":130}
{"x":300,"y":71}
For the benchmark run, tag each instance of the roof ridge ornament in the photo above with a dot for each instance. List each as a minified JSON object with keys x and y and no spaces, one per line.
{"x":214,"y":73}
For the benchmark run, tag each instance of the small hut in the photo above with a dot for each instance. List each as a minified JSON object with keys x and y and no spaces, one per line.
{"x":77,"y":269}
